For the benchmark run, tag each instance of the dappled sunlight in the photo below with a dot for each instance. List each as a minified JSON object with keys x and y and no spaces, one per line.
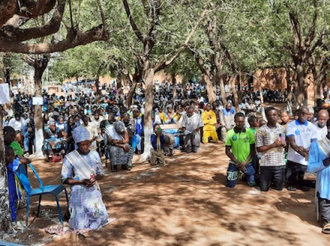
{"x":185,"y":203}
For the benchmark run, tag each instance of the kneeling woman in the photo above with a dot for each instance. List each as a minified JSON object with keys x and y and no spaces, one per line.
{"x":82,"y":168}
{"x":121,"y":153}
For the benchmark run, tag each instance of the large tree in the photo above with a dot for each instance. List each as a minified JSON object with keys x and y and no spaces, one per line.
{"x":37,"y":27}
{"x":151,"y":23}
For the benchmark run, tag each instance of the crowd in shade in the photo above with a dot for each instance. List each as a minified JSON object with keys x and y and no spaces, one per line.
{"x":270,"y":152}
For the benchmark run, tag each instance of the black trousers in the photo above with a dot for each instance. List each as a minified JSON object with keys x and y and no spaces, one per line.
{"x":295,"y":174}
{"x":272,"y":175}
{"x":324,"y":208}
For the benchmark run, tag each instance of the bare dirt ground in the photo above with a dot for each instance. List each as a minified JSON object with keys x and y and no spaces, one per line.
{"x":183,"y":203}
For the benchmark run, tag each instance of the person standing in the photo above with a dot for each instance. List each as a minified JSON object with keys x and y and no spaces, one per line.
{"x":227,"y":120}
{"x":270,"y":140}
{"x":300,"y":133}
{"x":322,"y":118}
{"x":319,"y":162}
{"x":191,"y":122}
{"x":240,"y":148}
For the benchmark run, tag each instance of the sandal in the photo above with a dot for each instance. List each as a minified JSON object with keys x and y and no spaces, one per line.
{"x":326,"y":228}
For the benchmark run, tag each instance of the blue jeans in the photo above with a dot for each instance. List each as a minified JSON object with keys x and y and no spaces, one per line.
{"x":233,"y":171}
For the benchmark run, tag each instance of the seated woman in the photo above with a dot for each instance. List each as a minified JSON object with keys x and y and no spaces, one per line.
{"x":81,"y":169}
{"x":54,"y":142}
{"x":121,"y":153}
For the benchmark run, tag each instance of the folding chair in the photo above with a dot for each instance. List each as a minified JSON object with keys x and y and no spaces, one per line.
{"x":55,"y":190}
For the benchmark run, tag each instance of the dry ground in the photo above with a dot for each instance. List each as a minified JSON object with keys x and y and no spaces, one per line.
{"x":184,"y":203}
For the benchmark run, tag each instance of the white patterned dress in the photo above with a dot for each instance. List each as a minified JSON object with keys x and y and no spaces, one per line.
{"x":86,"y":206}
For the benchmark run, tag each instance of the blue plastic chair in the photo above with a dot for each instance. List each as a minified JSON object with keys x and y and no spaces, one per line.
{"x":55,"y":190}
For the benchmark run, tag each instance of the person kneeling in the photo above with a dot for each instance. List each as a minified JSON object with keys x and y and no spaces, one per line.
{"x":270,"y":143}
{"x":81,"y":169}
{"x":157,"y":141}
{"x":240,"y":148}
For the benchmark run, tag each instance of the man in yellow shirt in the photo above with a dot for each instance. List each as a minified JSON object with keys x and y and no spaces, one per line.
{"x":162,"y":115}
{"x":209,"y":119}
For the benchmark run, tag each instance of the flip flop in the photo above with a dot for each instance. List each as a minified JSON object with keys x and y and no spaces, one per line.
{"x":326,"y":229}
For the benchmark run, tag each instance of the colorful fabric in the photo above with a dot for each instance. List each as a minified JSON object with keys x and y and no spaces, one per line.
{"x":157,"y":142}
{"x":14,"y":193}
{"x":80,"y":134}
{"x":55,"y":137}
{"x":240,"y":143}
{"x":118,"y":156}
{"x":86,"y":206}
{"x":209,"y":120}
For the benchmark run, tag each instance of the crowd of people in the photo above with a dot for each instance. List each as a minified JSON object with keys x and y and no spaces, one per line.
{"x":267,"y":152}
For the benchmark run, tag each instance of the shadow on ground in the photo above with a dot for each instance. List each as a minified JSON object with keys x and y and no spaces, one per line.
{"x":183,"y":203}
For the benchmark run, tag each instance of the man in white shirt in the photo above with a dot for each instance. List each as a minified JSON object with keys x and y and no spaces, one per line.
{"x":192,"y":122}
{"x":321,"y":128}
{"x":17,"y":122}
{"x":300,"y":133}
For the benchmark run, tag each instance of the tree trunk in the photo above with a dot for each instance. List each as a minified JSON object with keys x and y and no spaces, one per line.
{"x":5,"y":217}
{"x":301,"y":90}
{"x":97,"y":85}
{"x":130,"y":94}
{"x":234,"y":91}
{"x":209,"y":88}
{"x":173,"y":77}
{"x":222,"y":91}
{"x":39,"y":64}
{"x":149,"y":98}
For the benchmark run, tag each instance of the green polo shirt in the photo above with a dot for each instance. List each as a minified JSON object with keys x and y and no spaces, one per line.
{"x":17,"y":148}
{"x":240,"y":143}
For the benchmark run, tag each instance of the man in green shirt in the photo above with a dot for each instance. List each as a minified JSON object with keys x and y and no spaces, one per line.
{"x":9,"y":139}
{"x":240,"y":148}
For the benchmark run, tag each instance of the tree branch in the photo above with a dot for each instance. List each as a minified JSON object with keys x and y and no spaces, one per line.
{"x":10,"y":33}
{"x":99,"y":3}
{"x":311,"y":33}
{"x":132,"y":22}
{"x":163,"y":63}
{"x":296,"y":29}
{"x":74,"y":38}
{"x":27,"y":8}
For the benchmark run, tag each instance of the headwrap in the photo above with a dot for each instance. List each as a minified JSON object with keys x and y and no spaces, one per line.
{"x":80,"y":134}
{"x":51,"y":121}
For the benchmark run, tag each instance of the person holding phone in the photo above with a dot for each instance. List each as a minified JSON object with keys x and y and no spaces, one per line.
{"x":157,"y":142}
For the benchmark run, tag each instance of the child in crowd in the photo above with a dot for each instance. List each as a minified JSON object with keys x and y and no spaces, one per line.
{"x":285,"y":118}
{"x":254,"y":123}
{"x":12,"y":164}
{"x":157,"y":142}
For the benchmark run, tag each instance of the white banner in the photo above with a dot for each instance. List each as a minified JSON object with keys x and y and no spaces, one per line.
{"x":4,"y":94}
{"x":37,"y":101}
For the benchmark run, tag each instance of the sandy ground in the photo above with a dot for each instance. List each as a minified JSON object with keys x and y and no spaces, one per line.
{"x":183,"y":203}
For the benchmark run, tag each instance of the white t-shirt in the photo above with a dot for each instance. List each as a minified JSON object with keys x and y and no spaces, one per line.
{"x":17,"y":125}
{"x":304,"y":134}
{"x":321,"y":132}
